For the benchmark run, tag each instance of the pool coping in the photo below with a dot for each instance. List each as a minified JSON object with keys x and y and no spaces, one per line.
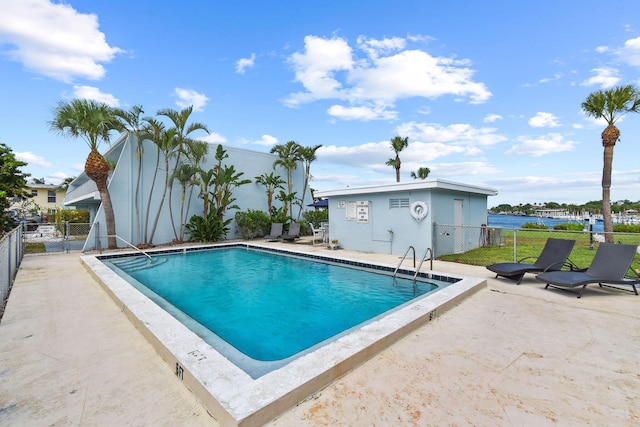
{"x":230,"y":394}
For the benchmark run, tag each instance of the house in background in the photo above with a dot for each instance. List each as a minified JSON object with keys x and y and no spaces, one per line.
{"x":130,"y":222}
{"x":46,"y":200}
{"x":390,"y":218}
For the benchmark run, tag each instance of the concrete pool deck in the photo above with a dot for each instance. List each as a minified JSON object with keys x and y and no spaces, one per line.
{"x":508,"y":355}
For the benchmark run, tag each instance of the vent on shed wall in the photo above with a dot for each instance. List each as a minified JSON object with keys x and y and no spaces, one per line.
{"x":398,"y":203}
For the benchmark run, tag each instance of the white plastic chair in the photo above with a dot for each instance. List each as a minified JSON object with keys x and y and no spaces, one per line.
{"x":318,"y":233}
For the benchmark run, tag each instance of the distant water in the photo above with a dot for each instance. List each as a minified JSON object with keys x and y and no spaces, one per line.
{"x":513,"y":221}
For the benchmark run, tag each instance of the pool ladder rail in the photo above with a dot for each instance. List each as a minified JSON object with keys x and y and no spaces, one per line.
{"x":136,"y":263}
{"x":428,"y":251}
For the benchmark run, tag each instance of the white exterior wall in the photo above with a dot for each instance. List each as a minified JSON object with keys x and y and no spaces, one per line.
{"x":123,"y":184}
{"x":375,"y":236}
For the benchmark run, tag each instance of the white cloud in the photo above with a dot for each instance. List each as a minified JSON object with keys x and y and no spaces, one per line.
{"x":213,"y":138}
{"x":266,"y":141}
{"x":463,"y":168}
{"x":364,"y":113}
{"x":329,"y":69}
{"x":55,"y":40}
{"x":546,"y":144}
{"x":243,"y":63}
{"x":544,"y":120}
{"x":605,"y":77}
{"x":490,"y":118}
{"x":316,"y":68}
{"x":32,"y":159}
{"x":457,"y":133}
{"x":374,"y":48}
{"x":630,"y":52}
{"x":188,"y":97}
{"x":555,"y":77}
{"x":90,"y":92}
{"x":427,"y":142}
{"x":57,"y":177}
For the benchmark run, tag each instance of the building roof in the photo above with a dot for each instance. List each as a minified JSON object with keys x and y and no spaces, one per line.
{"x":432,"y":184}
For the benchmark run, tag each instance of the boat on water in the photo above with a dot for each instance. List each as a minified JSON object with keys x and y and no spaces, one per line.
{"x":628,"y":217}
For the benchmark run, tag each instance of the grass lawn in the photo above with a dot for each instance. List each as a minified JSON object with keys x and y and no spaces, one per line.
{"x":35,"y":248}
{"x":530,"y":244}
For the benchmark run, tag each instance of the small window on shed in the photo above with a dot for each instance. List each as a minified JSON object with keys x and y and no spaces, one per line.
{"x":398,"y":203}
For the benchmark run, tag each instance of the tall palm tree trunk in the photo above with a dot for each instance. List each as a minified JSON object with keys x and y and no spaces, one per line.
{"x":153,"y":184}
{"x":137,"y":198}
{"x":609,"y":138}
{"x":164,"y":193}
{"x":97,"y":168}
{"x":606,"y":193}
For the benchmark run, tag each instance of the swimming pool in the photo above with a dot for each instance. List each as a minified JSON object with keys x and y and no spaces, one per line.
{"x":264,"y":309}
{"x":234,"y":397}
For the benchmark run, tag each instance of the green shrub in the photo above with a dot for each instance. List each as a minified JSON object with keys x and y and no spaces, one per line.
{"x":209,"y":229}
{"x":252,"y":223}
{"x":72,"y":215}
{"x":569,"y":227}
{"x":627,"y":228}
{"x":534,"y":226}
{"x":316,"y":217}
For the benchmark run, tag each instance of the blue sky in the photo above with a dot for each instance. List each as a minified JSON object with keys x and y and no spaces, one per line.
{"x":488,"y":92}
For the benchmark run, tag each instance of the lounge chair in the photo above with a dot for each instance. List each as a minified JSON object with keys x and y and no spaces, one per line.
{"x":275,"y":233}
{"x":553,"y":257}
{"x":293,"y":233}
{"x":609,"y":267}
{"x":318,"y":233}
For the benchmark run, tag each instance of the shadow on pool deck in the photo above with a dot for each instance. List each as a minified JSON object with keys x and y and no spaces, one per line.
{"x":508,"y":355}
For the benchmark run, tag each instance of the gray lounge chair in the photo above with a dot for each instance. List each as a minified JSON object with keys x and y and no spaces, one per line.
{"x":293,"y":233}
{"x":275,"y":233}
{"x":553,"y":257}
{"x":610,"y":266}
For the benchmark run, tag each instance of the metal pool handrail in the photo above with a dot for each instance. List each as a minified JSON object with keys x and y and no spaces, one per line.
{"x":410,"y":248}
{"x":424,"y":256}
{"x":130,"y":245}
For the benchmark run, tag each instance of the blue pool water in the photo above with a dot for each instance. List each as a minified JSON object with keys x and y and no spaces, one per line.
{"x":269,"y":306}
{"x":513,"y":221}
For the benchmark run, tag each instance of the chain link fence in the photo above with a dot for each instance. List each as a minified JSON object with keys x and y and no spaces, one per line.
{"x":55,"y":237}
{"x":489,"y":245}
{"x":11,"y":252}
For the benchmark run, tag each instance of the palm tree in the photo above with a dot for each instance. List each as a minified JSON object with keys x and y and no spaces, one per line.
{"x":167,"y":146}
{"x":182,"y":132}
{"x":289,"y":155}
{"x":196,"y":151}
{"x":270,"y":182}
{"x":397,"y":145}
{"x":422,"y":173}
{"x":131,"y":121}
{"x":308,"y":155}
{"x":610,"y":105}
{"x":153,"y":130}
{"x":186,"y":176}
{"x":64,"y":185}
{"x":91,"y":121}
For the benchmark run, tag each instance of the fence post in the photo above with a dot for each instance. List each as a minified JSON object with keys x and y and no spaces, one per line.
{"x":97,"y":237}
{"x":515,"y":245}
{"x":434,"y":239}
{"x":66,"y":236}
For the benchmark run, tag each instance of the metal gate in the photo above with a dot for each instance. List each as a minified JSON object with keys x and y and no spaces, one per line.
{"x":55,"y":237}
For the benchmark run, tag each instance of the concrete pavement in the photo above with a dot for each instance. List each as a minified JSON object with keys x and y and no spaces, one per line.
{"x":508,"y":355}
